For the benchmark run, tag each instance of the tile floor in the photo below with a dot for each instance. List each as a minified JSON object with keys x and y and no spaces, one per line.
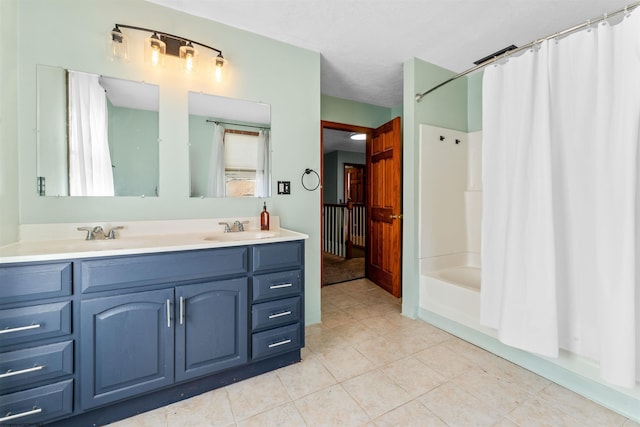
{"x":366,"y":365}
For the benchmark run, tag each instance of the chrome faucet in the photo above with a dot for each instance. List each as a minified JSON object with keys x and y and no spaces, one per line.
{"x":97,"y":232}
{"x":237,"y":226}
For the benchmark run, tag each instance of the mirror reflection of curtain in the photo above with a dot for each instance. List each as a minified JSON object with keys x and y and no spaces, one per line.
{"x":215,"y":182}
{"x":262,"y":166}
{"x":90,"y":170}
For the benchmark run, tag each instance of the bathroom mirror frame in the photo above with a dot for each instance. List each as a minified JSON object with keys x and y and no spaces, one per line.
{"x":132,"y":132}
{"x":243,"y":147}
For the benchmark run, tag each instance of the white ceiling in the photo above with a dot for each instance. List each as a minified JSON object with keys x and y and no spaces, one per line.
{"x":364,"y":43}
{"x":340,"y":140}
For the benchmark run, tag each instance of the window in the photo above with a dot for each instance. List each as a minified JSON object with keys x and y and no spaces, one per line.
{"x":241,"y":158}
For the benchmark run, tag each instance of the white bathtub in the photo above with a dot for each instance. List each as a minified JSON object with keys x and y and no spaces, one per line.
{"x":450,"y":287}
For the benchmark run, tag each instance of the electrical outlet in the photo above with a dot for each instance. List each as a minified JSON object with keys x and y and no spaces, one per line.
{"x":284,"y":187}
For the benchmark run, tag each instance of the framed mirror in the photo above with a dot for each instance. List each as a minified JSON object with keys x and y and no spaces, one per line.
{"x":229,"y":147}
{"x":97,"y":135}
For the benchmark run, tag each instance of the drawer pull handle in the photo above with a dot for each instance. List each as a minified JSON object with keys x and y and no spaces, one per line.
{"x":19,"y":329}
{"x":284,"y":285}
{"x":10,"y":416}
{"x":11,"y":373}
{"x":279,"y":343}
{"x":276,"y":315}
{"x":181,"y":310}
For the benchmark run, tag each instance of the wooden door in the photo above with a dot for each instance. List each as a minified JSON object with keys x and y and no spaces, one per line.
{"x":384,"y":205}
{"x":354,"y":183}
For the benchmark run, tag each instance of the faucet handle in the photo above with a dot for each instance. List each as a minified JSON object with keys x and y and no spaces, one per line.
{"x":227,"y":227}
{"x":112,"y":233}
{"x":89,"y":231}
{"x":240,"y":225}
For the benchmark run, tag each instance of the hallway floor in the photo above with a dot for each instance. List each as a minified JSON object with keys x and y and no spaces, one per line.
{"x":366,"y":365}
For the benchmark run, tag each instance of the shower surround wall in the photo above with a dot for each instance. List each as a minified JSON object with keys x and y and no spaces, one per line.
{"x":450,"y":215}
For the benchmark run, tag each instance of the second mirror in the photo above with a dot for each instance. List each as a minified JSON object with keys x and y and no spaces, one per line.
{"x":229,"y":147}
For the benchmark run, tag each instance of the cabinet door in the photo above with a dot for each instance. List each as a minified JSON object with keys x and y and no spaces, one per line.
{"x":126,"y":345}
{"x":211,"y":330}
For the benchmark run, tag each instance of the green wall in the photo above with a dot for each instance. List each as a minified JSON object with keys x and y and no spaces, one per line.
{"x":474,"y":104}
{"x":446,"y":107}
{"x":355,"y":113}
{"x":77,"y":32}
{"x":9,"y":123}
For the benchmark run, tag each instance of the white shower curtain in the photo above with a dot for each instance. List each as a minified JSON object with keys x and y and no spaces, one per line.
{"x":262,"y":166}
{"x":90,"y":169}
{"x":216,"y":178}
{"x":561,"y":208}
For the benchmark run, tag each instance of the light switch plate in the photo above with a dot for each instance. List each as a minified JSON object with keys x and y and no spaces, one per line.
{"x":284,"y":187}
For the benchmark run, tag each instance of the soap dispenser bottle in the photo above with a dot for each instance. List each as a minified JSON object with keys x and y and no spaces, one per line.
{"x":264,"y":218}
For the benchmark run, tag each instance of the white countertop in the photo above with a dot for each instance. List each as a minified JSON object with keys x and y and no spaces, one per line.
{"x":175,"y":236}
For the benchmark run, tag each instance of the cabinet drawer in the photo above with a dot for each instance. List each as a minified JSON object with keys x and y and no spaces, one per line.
{"x":36,"y":405}
{"x":277,"y":256}
{"x":28,"y":282}
{"x":275,"y":341}
{"x":30,"y":365}
{"x":35,"y":322}
{"x":124,"y":272}
{"x":275,"y":313}
{"x":276,"y":285}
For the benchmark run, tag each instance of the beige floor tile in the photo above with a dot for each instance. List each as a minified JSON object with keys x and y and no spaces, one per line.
{"x":323,"y":341}
{"x":314,"y":329}
{"x":456,"y":407}
{"x":476,"y":355}
{"x":206,"y":410}
{"x":346,"y":301}
{"x":337,"y":318}
{"x":505,"y":422}
{"x":444,"y":361}
{"x":381,"y":326}
{"x":282,"y":416}
{"x":413,"y":376}
{"x":305,"y":378}
{"x":379,"y":351}
{"x":376,"y":393}
{"x":331,"y":407}
{"x":412,"y":414}
{"x":345,"y":363}
{"x":538,"y":413}
{"x":255,"y":395}
{"x":155,"y":418}
{"x":362,"y":312}
{"x":630,"y":423}
{"x":353,"y":333}
{"x":515,"y":374}
{"x":501,"y":394}
{"x":584,"y":410}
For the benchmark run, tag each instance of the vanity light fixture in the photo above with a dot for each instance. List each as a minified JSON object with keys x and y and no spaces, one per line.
{"x":358,"y":136}
{"x":160,"y":44}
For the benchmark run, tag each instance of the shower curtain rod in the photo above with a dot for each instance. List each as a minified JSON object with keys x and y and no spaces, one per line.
{"x":237,"y":124}
{"x":590,"y":22}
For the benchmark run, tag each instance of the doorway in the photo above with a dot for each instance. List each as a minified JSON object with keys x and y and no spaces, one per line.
{"x":378,"y":185}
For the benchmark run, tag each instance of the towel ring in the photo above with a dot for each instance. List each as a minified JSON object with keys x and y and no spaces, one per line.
{"x":308,"y":171}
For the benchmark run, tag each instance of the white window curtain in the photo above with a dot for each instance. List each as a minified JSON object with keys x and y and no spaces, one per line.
{"x":561,"y":217}
{"x":263,"y":171}
{"x":90,"y":169}
{"x":216,"y":181}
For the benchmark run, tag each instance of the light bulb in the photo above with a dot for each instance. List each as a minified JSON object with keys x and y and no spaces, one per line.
{"x":154,"y":50}
{"x":218,"y":63}
{"x":188,"y":58}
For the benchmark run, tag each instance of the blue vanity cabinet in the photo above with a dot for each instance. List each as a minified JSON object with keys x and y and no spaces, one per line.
{"x":277,"y":311}
{"x":37,"y":341}
{"x":126,"y":345}
{"x":211,"y":327}
{"x":94,"y":340}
